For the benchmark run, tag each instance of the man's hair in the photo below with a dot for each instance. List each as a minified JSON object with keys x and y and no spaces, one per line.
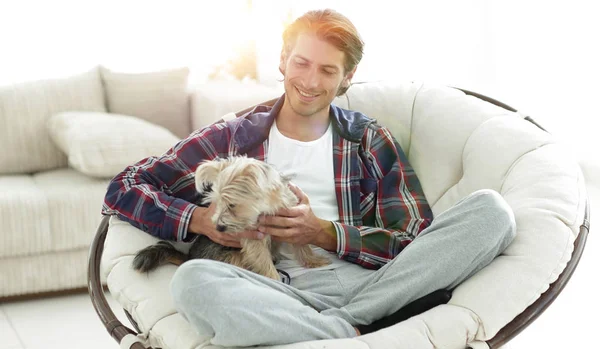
{"x":332,"y":27}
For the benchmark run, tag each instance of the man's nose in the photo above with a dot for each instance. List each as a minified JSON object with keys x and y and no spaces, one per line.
{"x":312,"y":79}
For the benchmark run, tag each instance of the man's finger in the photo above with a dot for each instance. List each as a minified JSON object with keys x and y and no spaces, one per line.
{"x":225,"y":239}
{"x":290,"y":212}
{"x":287,"y":212}
{"x":229,"y":243}
{"x":302,"y":197}
{"x":280,"y":232}
{"x":279,"y":221}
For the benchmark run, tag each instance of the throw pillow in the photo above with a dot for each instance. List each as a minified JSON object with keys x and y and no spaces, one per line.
{"x":102,"y":145}
{"x":159,"y":97}
{"x":24,"y":110}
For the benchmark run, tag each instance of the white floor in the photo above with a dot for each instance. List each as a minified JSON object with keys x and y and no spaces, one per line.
{"x":58,"y":322}
{"x":71,"y":322}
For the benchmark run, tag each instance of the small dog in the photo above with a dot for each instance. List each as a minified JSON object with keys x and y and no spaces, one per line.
{"x":242,"y":189}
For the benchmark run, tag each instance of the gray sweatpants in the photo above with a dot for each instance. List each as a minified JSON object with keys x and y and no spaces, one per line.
{"x":239,"y":308}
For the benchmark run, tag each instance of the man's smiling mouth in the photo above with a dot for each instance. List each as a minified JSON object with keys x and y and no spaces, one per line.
{"x":306,"y":96}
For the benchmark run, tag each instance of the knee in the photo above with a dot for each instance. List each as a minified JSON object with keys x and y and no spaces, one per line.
{"x":181,"y":283}
{"x":191,"y":277}
{"x":494,"y":209}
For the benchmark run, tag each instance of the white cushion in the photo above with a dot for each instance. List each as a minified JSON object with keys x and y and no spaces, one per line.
{"x":50,"y":252}
{"x":212,"y":100}
{"x":44,"y":272}
{"x":457,"y":144}
{"x":24,"y":110}
{"x":102,"y":144}
{"x":160,"y":97}
{"x":389,"y":103}
{"x":20,"y":200}
{"x":66,"y":205}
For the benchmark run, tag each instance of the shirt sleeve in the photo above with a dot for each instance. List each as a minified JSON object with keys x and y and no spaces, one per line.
{"x":393,"y":207}
{"x":158,"y":194}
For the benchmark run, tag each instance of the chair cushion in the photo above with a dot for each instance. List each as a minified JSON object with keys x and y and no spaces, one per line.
{"x":24,"y":109}
{"x":457,"y":144}
{"x":103,"y":144}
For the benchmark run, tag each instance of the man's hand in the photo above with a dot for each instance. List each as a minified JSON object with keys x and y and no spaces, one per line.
{"x":299,"y":225}
{"x":201,"y":223}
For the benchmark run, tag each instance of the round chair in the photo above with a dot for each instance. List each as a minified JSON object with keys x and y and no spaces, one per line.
{"x":458,"y":142}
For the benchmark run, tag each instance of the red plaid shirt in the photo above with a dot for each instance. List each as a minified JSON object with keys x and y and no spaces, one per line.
{"x":381,"y":205}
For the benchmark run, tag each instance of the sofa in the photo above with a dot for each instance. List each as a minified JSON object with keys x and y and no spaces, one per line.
{"x":63,"y":139}
{"x":457,"y":143}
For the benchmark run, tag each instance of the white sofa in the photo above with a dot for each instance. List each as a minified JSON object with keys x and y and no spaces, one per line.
{"x":457,"y":144}
{"x":63,"y":139}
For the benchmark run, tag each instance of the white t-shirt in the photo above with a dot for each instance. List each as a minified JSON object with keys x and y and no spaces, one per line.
{"x":310,"y":164}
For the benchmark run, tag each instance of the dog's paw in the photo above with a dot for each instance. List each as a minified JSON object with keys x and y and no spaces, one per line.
{"x":274,"y":276}
{"x":271,"y":273}
{"x":316,"y":261}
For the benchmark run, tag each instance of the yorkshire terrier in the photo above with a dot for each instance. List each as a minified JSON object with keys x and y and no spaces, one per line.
{"x":241,"y":189}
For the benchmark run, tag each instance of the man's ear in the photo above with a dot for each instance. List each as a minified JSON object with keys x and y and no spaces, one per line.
{"x":348,"y":78}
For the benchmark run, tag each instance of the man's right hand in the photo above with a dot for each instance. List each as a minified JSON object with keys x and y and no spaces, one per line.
{"x":201,"y":223}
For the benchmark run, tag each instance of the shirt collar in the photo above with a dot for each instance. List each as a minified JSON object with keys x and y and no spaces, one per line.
{"x":253,"y":128}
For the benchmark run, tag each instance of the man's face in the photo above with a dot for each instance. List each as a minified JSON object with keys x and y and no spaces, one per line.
{"x":313,"y":72}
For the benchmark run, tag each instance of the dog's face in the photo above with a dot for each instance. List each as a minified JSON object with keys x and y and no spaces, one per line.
{"x":242,"y":189}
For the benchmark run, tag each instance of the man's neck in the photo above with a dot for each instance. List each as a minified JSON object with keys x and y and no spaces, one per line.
{"x":300,"y":127}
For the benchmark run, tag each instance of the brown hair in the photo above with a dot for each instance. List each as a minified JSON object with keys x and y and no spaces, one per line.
{"x":332,"y":27}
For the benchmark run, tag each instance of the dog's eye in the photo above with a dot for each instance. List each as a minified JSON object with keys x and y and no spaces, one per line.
{"x":231,"y":206}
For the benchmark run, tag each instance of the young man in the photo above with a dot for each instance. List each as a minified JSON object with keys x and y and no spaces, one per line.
{"x":361,"y":205}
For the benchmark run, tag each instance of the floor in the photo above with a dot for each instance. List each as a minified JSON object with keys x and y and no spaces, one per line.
{"x":71,"y":322}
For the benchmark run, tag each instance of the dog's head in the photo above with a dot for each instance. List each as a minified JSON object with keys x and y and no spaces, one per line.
{"x":242,"y":189}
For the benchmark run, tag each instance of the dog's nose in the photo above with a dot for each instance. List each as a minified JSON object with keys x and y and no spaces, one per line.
{"x":221,"y":228}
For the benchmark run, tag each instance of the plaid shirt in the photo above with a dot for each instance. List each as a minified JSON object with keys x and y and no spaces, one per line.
{"x":381,"y":205}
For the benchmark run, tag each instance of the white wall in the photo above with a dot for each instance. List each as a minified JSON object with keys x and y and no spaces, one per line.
{"x":42,"y":39}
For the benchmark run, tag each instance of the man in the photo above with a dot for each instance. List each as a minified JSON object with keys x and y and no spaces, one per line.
{"x":361,"y":205}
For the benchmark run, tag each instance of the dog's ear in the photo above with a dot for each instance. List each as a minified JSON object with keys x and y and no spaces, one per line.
{"x":207,"y":173}
{"x":269,"y":177}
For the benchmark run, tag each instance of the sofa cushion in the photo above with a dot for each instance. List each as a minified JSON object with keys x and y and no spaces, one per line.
{"x":210,"y":101}
{"x":24,"y":109}
{"x":44,"y":272}
{"x":159,"y":97}
{"x":49,"y":211}
{"x":102,"y":144}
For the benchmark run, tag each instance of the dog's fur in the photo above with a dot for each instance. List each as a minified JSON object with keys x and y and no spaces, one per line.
{"x":241,"y":189}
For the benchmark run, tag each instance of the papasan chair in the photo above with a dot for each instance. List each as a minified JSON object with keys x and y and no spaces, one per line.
{"x":458,"y":142}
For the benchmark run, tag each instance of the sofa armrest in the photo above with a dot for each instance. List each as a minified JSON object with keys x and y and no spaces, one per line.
{"x":210,"y":101}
